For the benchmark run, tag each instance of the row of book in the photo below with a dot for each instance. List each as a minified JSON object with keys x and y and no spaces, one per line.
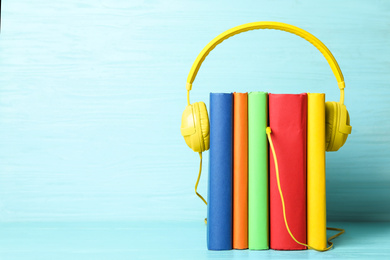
{"x":244,"y":204}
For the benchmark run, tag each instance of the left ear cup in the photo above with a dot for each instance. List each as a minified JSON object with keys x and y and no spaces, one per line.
{"x":204,"y":125}
{"x":337,"y":125}
{"x":195,"y":127}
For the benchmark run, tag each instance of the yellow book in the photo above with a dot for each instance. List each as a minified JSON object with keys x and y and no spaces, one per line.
{"x":316,"y":195}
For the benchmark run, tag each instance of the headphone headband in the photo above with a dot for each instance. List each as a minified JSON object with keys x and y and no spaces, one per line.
{"x":267,"y":25}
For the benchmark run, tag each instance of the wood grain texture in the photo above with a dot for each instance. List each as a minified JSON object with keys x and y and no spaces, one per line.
{"x":168,"y":240}
{"x":91,"y":96}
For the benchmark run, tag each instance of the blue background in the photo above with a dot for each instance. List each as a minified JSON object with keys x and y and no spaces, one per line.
{"x":91,"y":96}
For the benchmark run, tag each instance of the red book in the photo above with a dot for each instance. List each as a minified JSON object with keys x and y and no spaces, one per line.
{"x":288,"y":122}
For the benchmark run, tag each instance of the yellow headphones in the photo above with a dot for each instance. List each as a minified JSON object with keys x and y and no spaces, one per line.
{"x":195,"y":122}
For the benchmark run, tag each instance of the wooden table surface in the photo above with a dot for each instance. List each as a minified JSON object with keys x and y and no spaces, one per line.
{"x":168,"y":240}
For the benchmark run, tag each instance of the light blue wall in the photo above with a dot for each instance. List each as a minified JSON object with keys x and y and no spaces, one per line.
{"x":91,"y":96}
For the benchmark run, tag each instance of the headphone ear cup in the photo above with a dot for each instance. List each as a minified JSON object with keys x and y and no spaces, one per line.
{"x":330,"y":123}
{"x":195,"y":127}
{"x":187,"y":128}
{"x":204,"y":125}
{"x":337,"y":125}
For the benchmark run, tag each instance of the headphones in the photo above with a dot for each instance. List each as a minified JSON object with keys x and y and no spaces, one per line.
{"x":195,"y":122}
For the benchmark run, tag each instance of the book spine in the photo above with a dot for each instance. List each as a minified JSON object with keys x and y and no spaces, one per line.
{"x":288,"y":122}
{"x":219,"y":213}
{"x":316,"y":195}
{"x":258,"y":219}
{"x":240,"y":171}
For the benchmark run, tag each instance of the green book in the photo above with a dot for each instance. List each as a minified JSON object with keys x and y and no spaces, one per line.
{"x":258,"y":202}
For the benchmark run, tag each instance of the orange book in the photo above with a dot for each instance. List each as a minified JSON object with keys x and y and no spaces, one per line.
{"x":240,"y":171}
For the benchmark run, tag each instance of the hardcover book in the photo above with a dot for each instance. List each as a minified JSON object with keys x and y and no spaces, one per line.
{"x":258,"y":221}
{"x":288,"y":122}
{"x":240,"y":171}
{"x":219,"y":208}
{"x":316,"y":194}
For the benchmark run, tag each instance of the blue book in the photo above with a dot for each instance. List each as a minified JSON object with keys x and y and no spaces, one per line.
{"x":220,"y":186}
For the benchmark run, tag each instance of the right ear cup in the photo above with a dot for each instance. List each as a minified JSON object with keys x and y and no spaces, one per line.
{"x":330,"y":122}
{"x":195,"y":127}
{"x":337,"y":125}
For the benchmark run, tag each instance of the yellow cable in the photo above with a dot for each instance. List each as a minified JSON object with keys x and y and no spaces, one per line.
{"x":268,"y":131}
{"x":197,"y":182}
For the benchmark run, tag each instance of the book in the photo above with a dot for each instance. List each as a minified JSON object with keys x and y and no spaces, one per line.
{"x":288,"y":122}
{"x":219,"y":208}
{"x":240,"y":170}
{"x":316,"y":195}
{"x":258,"y":202}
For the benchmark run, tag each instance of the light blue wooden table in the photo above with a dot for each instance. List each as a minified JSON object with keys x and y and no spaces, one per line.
{"x":168,"y":240}
{"x":92,"y":163}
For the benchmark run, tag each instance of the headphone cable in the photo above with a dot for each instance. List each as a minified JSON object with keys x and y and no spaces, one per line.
{"x":268,"y":132}
{"x":197,"y":182}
